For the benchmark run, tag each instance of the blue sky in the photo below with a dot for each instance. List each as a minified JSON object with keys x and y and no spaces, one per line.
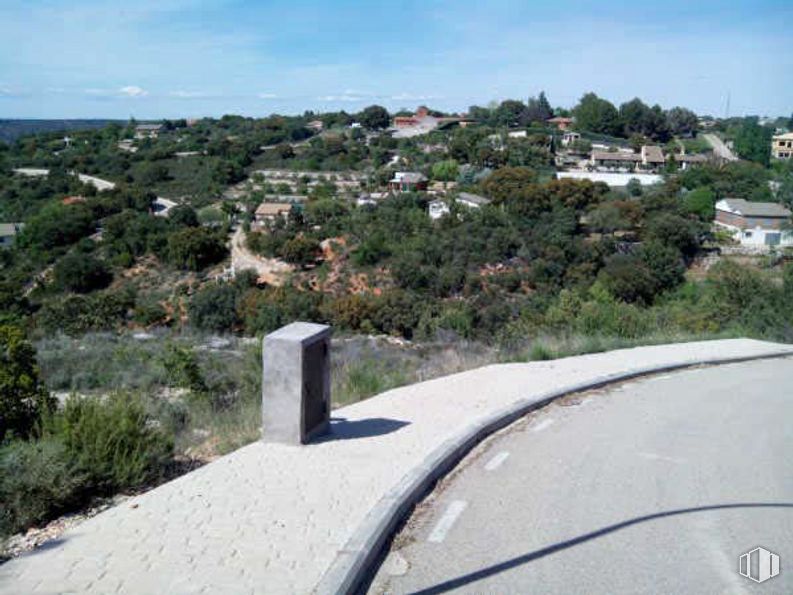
{"x":183,"y":58}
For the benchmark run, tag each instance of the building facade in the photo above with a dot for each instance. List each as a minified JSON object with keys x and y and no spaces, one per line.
{"x":782,"y":146}
{"x":758,"y":224}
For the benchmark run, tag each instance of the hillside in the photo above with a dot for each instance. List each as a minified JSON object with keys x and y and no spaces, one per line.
{"x":10,"y":130}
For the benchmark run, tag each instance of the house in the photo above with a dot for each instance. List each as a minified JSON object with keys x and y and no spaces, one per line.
{"x":685,"y":160}
{"x":73,"y":200}
{"x":408,"y":181}
{"x":782,"y":146}
{"x":147,"y":130}
{"x":437,"y":209}
{"x":269,"y":211}
{"x":755,"y":223}
{"x":518,"y":134}
{"x":651,"y":157}
{"x":8,"y":232}
{"x":423,"y":122}
{"x":316,"y":125}
{"x":569,"y":137}
{"x":472,"y":201}
{"x":560,"y":122}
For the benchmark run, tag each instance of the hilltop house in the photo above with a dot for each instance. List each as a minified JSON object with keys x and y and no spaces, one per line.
{"x":147,"y":131}
{"x":561,"y":123}
{"x":651,"y":157}
{"x":755,"y":223}
{"x":685,"y":160}
{"x":782,"y":146}
{"x":8,"y":232}
{"x":408,"y":181}
{"x":269,"y":211}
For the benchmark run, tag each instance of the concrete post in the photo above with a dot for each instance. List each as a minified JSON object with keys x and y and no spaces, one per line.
{"x":296,"y":383}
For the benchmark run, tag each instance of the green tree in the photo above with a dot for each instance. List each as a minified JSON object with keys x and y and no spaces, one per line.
{"x":682,"y":121}
{"x":753,"y":142}
{"x":701,"y":202}
{"x":23,"y":398}
{"x":194,"y":249}
{"x":374,"y":117}
{"x":81,"y":273}
{"x":538,"y":109}
{"x":446,"y":171}
{"x":597,"y":115}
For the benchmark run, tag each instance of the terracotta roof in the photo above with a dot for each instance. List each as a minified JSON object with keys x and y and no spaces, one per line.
{"x":273,"y":208}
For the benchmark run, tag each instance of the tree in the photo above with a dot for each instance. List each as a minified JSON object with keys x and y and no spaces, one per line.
{"x":753,"y":142}
{"x":81,"y":273}
{"x":510,"y":113}
{"x":183,"y":216}
{"x":538,"y":109}
{"x":701,"y":202}
{"x":374,"y":117}
{"x":507,"y":182}
{"x":23,"y":399}
{"x":628,"y":278}
{"x":446,"y":171}
{"x":300,"y":250}
{"x":597,"y":115}
{"x":682,"y":121}
{"x":194,"y":249}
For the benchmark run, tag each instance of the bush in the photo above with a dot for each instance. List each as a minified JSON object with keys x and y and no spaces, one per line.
{"x":113,"y":440}
{"x":81,"y":273}
{"x":193,"y":249}
{"x":38,"y":481}
{"x":23,"y":399}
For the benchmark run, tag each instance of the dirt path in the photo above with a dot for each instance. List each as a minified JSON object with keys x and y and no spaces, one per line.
{"x":270,"y":270}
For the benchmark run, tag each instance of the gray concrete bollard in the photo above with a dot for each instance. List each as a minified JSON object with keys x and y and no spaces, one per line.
{"x":296,"y":383}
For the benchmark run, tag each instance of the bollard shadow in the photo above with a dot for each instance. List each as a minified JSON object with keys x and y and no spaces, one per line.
{"x":467,"y":579}
{"x":343,"y":429}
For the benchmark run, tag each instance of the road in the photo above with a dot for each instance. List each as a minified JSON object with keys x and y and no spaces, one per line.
{"x":719,"y":147}
{"x":654,"y":486}
{"x":99,"y":183}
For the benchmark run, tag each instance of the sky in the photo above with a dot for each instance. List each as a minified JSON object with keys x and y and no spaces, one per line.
{"x":193,"y":58}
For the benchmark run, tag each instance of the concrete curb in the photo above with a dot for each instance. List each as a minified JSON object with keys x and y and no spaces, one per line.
{"x":355,"y":564}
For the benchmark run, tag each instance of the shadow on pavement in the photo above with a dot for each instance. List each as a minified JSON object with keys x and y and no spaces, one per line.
{"x":342,"y":429}
{"x":460,"y":581}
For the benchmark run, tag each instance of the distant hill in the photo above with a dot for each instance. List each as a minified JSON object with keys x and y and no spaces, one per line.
{"x":10,"y":130}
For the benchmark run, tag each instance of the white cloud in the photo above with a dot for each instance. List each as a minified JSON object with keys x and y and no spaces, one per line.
{"x":188,"y":94}
{"x":344,"y":97}
{"x":411,"y":97}
{"x":132,"y":91}
{"x":267,"y":96}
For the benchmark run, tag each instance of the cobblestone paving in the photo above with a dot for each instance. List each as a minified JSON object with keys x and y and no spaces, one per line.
{"x":270,"y":518}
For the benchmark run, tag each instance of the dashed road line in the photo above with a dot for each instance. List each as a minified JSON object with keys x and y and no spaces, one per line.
{"x":446,"y":522}
{"x":496,"y":461}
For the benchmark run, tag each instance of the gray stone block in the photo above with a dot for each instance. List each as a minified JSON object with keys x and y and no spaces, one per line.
{"x":296,"y":383}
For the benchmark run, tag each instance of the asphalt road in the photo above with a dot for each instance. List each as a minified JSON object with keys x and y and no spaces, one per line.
{"x":719,"y":147}
{"x":654,"y":486}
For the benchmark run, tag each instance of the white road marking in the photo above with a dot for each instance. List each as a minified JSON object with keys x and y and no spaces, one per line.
{"x":496,"y":461}
{"x":448,"y":519}
{"x":542,"y":425}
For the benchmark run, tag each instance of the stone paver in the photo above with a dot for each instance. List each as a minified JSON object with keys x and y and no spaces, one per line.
{"x":271,"y":518}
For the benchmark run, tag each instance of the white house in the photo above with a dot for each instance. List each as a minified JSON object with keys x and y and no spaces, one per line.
{"x":437,"y":209}
{"x":755,"y":223}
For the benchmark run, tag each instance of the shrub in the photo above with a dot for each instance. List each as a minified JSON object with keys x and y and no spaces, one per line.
{"x":23,"y":399}
{"x":193,"y":249}
{"x":38,"y":481}
{"x":213,"y":308}
{"x":81,"y":273}
{"x":113,"y":440}
{"x":181,"y":366}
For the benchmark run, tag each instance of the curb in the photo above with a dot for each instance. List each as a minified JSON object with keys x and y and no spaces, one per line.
{"x":357,"y":561}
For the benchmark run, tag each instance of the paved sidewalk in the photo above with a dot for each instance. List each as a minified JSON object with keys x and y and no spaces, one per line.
{"x":271,"y":518}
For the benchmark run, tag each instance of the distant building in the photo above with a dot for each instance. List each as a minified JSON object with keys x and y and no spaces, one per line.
{"x":518,"y":134}
{"x":147,"y":130}
{"x":408,"y":181}
{"x":782,"y":146}
{"x":9,"y":231}
{"x":568,"y":138}
{"x":472,"y":201}
{"x":685,"y":160}
{"x":269,"y":211}
{"x":560,"y":122}
{"x":423,"y":122}
{"x":755,"y":223}
{"x":316,"y":125}
{"x":73,"y":200}
{"x":651,"y":157}
{"x":437,"y":209}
